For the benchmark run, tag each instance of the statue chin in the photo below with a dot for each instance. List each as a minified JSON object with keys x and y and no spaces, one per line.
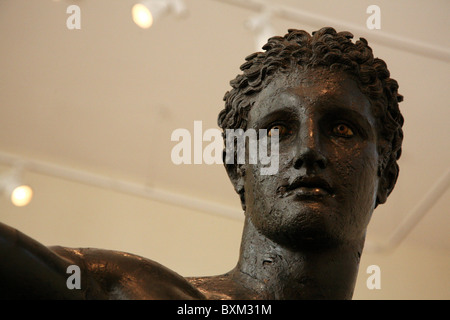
{"x":297,"y":232}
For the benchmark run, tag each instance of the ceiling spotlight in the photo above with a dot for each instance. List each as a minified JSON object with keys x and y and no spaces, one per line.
{"x":21,"y":195}
{"x":146,"y":12}
{"x":262,"y":28}
{"x":17,"y":192}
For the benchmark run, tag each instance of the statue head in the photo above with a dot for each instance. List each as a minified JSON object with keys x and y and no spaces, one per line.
{"x":340,"y":134}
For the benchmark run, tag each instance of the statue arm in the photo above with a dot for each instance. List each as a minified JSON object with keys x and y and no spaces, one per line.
{"x":30,"y":270}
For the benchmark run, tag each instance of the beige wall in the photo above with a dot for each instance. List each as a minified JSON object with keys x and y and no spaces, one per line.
{"x":191,"y":243}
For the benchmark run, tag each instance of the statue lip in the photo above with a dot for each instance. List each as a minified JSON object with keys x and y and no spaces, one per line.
{"x":310,"y":185}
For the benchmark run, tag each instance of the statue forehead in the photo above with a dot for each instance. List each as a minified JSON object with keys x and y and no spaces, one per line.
{"x":315,"y":83}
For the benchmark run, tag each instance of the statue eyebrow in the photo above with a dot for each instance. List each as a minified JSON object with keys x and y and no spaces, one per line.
{"x":285,"y":113}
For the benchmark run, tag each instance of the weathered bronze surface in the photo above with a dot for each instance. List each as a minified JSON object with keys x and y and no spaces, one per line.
{"x":340,"y":133}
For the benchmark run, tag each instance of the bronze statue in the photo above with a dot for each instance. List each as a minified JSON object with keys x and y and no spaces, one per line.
{"x":335,"y":109}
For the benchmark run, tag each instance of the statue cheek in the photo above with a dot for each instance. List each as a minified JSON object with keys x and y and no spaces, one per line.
{"x":362,"y":183}
{"x":254,"y":188}
{"x":355,"y":171}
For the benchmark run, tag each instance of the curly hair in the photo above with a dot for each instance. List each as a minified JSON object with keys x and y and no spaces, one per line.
{"x":335,"y":51}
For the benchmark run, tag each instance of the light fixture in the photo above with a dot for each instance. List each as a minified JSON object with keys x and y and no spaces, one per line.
{"x":13,"y":188}
{"x":261,"y":26}
{"x":146,"y":12}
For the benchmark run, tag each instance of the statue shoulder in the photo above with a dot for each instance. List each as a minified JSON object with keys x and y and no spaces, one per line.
{"x":110,"y":274}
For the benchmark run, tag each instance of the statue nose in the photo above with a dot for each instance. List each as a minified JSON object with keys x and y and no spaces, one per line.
{"x":310,"y":154}
{"x":310,"y":158}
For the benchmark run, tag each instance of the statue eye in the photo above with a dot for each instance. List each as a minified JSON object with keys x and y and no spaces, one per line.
{"x":282,"y":130}
{"x":342,"y":130}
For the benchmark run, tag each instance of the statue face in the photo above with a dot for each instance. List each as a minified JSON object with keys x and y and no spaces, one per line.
{"x":325,"y":189}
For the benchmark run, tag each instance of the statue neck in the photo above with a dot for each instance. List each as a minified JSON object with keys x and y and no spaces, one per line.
{"x":277,"y":272}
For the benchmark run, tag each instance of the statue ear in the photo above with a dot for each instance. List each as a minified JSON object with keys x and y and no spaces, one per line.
{"x":236,"y":174}
{"x":388,"y":178}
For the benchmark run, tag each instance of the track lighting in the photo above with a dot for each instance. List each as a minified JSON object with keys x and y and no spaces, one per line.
{"x":13,"y":188}
{"x":146,"y":12}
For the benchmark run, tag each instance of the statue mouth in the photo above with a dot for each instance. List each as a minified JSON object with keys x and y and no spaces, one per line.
{"x":305,"y":187}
